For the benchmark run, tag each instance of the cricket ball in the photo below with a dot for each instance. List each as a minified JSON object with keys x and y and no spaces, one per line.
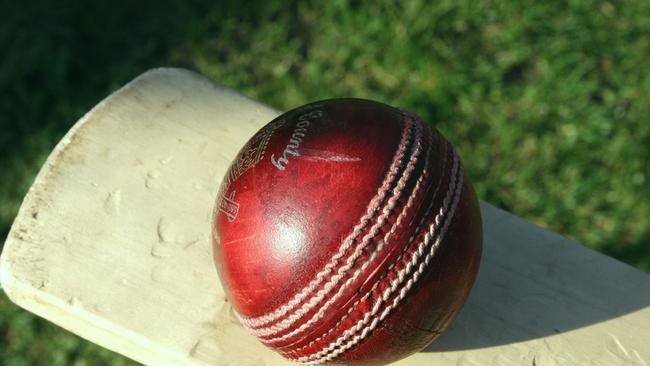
{"x":346,"y":232}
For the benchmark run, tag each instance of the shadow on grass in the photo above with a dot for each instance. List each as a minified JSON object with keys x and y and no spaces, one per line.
{"x":636,"y":254}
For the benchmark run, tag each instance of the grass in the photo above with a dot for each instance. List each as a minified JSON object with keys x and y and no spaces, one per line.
{"x":546,"y":101}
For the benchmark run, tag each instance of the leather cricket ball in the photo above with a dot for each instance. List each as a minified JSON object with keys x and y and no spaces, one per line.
{"x":346,"y":232}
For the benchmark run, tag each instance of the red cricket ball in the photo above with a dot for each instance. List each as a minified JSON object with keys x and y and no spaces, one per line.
{"x":346,"y":232}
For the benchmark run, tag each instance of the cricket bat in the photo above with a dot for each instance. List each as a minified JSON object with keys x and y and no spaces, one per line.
{"x":112,"y":242}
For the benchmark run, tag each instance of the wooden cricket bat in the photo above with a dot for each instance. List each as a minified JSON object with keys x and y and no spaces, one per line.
{"x":112,"y":243}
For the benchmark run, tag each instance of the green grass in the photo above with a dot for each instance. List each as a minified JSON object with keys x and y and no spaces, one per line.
{"x":546,"y":101}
